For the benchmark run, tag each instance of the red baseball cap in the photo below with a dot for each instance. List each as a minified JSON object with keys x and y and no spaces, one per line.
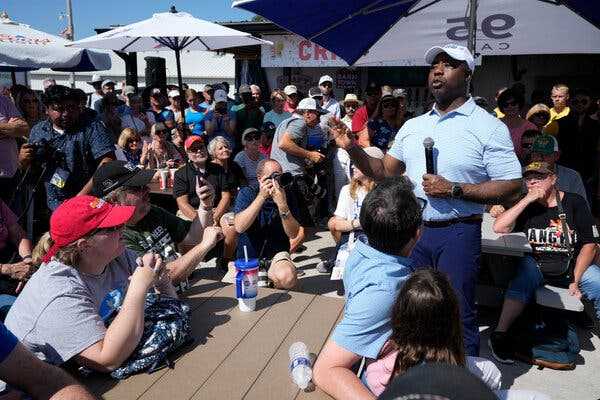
{"x":191,"y":140}
{"x":79,"y":216}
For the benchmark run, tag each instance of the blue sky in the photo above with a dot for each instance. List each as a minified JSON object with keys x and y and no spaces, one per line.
{"x":89,"y":14}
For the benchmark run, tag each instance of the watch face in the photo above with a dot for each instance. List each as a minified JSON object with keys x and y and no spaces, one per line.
{"x":456,"y":191}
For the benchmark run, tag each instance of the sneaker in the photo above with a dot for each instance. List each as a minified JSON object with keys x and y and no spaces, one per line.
{"x":325,"y":266}
{"x":500,"y":348}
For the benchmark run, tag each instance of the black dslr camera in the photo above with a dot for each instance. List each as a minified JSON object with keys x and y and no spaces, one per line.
{"x":44,"y":153}
{"x":285,"y":179}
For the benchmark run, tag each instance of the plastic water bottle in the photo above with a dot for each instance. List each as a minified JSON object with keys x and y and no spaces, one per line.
{"x":300,"y":368}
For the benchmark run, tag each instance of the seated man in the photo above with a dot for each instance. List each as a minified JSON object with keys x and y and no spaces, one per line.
{"x":563,"y":259}
{"x":152,"y":228}
{"x":23,"y":371}
{"x":545,"y":148}
{"x":391,"y":218}
{"x":265,"y":219}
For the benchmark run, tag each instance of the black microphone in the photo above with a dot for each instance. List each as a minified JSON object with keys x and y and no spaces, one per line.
{"x":428,"y":144}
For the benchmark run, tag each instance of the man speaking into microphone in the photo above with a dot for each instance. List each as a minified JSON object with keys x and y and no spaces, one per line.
{"x":474,"y":164}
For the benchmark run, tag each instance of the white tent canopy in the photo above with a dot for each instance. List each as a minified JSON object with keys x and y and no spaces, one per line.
{"x":173,"y":30}
{"x":23,"y":47}
{"x":167,"y":30}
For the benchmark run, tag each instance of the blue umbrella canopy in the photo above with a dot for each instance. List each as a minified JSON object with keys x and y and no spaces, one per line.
{"x":353,"y":28}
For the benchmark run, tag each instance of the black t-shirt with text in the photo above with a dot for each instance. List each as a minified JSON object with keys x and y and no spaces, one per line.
{"x":545,"y":233}
{"x":185,"y":182}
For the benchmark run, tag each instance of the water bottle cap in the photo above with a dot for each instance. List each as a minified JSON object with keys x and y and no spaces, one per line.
{"x":242,"y":265}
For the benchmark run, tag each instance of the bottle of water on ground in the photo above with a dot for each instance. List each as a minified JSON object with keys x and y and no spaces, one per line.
{"x":300,"y":368}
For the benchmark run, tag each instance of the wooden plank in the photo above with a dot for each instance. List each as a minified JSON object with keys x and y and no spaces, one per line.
{"x":313,"y":328}
{"x":220,"y":326}
{"x":134,"y":386}
{"x":236,"y":374}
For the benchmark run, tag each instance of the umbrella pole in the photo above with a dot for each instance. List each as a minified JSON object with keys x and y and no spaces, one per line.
{"x":178,"y":62}
{"x":472,"y":26}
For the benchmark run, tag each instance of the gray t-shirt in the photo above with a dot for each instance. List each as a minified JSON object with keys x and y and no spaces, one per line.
{"x":298,"y":131}
{"x":248,"y":166}
{"x":56,"y":316}
{"x":8,"y":144}
{"x":569,"y":180}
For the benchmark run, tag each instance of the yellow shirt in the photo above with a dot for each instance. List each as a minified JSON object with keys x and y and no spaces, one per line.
{"x":499,"y":114}
{"x":551,"y":127}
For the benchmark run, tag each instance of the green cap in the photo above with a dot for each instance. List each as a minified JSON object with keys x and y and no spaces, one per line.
{"x":544,"y":144}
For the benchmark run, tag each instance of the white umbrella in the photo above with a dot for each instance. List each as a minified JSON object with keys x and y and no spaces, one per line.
{"x":24,"y":48}
{"x":171,"y":30}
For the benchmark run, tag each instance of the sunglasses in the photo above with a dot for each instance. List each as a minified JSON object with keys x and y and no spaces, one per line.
{"x":326,"y":84}
{"x":199,"y":149}
{"x":250,"y":138}
{"x":388,"y":105}
{"x":160,"y":132}
{"x":511,"y":103}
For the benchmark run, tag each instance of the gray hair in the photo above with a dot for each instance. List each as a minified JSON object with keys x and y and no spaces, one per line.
{"x":212,"y":145}
{"x":255,"y":87}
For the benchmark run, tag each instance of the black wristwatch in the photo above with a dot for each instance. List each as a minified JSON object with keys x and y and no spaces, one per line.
{"x":456,"y":192}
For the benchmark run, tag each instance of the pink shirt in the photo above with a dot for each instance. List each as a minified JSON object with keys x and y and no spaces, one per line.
{"x":7,"y":218}
{"x":517,"y":133}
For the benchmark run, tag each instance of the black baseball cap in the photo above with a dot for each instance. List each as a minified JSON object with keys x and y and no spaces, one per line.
{"x":438,"y":381}
{"x":269,"y":127}
{"x":114,"y":174}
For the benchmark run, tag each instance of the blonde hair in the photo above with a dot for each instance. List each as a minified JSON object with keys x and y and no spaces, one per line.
{"x":190,"y":93}
{"x":538,"y":108}
{"x":561,"y":86}
{"x":367,"y":183}
{"x":212,"y":146}
{"x":68,"y":255}
{"x":126,"y":135}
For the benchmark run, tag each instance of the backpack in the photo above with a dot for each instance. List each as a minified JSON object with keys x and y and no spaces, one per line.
{"x":547,"y":339}
{"x":166,"y":328}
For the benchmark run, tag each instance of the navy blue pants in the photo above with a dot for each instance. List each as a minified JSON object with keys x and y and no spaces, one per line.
{"x":455,"y":250}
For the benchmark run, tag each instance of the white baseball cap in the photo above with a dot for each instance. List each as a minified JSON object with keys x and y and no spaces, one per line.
{"x":458,"y":52}
{"x":128,"y":90}
{"x":108,"y":82}
{"x":290,"y":89}
{"x":174,"y":93}
{"x":309,"y":104}
{"x":325,"y":78}
{"x":96,"y":78}
{"x":220,"y":96}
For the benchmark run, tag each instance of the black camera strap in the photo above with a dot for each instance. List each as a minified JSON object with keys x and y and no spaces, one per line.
{"x":563,"y":222}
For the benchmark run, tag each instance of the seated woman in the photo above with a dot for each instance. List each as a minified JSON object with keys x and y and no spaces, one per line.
{"x":15,"y":258}
{"x":426,"y":328}
{"x":159,"y":153}
{"x":56,"y":316}
{"x":129,"y":146}
{"x":220,"y":150}
{"x":346,"y":216}
{"x":249,"y":158}
{"x":554,"y":252}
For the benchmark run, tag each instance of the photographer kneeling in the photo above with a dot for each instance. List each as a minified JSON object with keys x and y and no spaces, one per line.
{"x":265,"y":218}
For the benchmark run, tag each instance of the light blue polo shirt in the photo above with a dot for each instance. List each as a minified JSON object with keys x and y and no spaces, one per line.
{"x":372,"y":280}
{"x":471,"y":146}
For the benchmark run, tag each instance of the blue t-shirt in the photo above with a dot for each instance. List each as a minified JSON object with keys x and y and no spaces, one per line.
{"x":276,"y":118}
{"x":79,"y":153}
{"x":266,"y":236}
{"x":8,"y":341}
{"x":471,"y":146}
{"x":382,"y":133}
{"x":372,"y":281}
{"x":197,"y":118}
{"x":220,"y":126}
{"x":164,"y":115}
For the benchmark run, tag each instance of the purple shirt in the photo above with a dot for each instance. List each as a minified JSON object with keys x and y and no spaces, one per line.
{"x":8,"y":144}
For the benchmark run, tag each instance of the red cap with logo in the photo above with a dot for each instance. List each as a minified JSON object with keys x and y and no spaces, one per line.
{"x":191,"y":140}
{"x":81,"y":215}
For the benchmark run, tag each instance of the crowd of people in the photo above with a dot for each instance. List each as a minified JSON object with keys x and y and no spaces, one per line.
{"x":254,"y":178}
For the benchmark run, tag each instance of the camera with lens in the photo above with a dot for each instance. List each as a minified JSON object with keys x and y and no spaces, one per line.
{"x":44,"y":153}
{"x":284,"y":179}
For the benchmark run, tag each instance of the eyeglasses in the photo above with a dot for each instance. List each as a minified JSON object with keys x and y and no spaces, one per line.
{"x":351,"y":106}
{"x":326,"y":84}
{"x":422,"y":203}
{"x":250,"y":138}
